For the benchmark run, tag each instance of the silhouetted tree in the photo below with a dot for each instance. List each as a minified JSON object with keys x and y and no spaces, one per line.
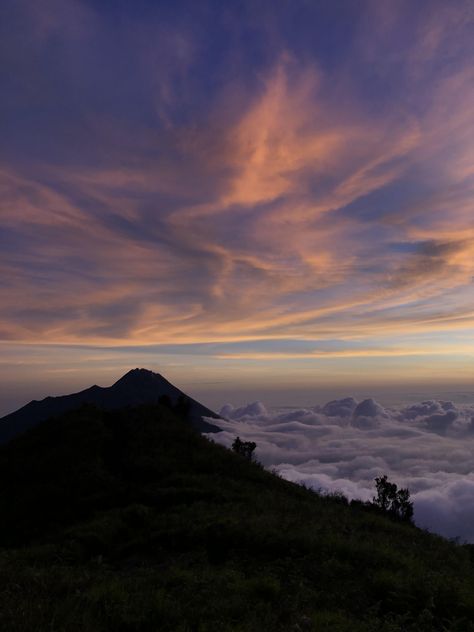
{"x":392,"y":500}
{"x":403,"y":506}
{"x":244,"y":448}
{"x":386,"y":492}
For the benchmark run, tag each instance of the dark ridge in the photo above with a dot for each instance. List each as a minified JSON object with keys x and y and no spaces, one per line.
{"x":131,"y":521}
{"x":135,"y":388}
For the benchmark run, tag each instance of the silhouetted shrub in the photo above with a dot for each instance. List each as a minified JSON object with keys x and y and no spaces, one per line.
{"x":337,"y":497}
{"x":244,"y":448}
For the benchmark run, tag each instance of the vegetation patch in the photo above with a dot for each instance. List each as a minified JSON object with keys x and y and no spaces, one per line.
{"x":132,"y":521}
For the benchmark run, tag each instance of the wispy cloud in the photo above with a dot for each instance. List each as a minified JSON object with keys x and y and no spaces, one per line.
{"x":164,"y":187}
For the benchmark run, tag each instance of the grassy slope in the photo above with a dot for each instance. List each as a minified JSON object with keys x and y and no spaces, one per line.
{"x":132,"y":521}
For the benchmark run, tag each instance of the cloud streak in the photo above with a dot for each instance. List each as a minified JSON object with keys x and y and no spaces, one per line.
{"x":193,"y":190}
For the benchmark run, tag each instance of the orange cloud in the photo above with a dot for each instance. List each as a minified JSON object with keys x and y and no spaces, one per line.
{"x":276,"y":221}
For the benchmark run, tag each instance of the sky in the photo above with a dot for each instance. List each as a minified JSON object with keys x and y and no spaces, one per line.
{"x":246,"y":196}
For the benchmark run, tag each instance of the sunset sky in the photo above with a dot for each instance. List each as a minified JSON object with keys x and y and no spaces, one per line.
{"x":239,"y":195}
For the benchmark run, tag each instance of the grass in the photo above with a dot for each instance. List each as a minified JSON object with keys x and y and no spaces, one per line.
{"x":131,"y":521}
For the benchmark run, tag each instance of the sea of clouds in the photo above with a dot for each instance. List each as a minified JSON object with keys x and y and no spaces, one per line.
{"x":343,"y":445}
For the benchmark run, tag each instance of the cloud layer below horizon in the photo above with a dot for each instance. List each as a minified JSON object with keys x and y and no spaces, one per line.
{"x":280,"y":182}
{"x":343,"y":445}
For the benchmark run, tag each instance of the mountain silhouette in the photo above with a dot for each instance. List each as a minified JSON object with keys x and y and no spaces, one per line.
{"x":137,"y":387}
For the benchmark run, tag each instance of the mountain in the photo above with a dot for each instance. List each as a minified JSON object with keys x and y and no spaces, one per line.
{"x":138,"y":386}
{"x":131,"y":521}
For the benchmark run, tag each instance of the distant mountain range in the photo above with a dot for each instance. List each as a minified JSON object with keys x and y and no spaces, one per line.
{"x":137,"y":387}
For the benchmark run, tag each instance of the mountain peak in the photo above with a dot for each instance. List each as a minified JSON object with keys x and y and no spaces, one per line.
{"x":135,"y":388}
{"x":139,"y":376}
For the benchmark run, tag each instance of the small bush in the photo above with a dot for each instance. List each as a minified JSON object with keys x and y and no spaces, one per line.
{"x":244,"y":448}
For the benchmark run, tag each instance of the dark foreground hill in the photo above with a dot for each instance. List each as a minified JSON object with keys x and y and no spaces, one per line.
{"x":131,"y":521}
{"x":137,"y":387}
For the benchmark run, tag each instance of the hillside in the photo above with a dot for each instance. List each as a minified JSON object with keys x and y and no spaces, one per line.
{"x":131,"y":521}
{"x":135,"y":388}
